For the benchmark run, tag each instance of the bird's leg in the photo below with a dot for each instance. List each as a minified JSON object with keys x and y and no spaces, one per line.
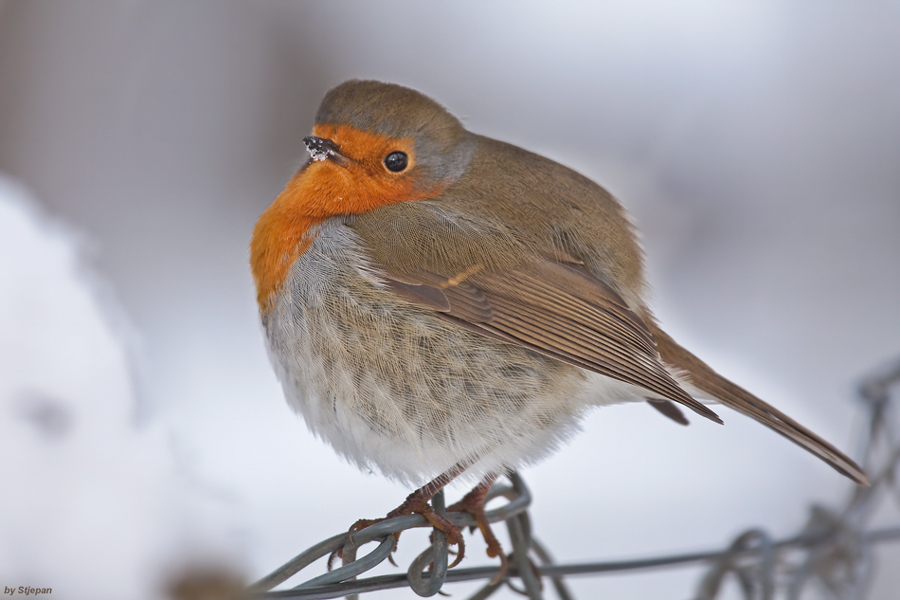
{"x":418,"y":503}
{"x":473,"y":503}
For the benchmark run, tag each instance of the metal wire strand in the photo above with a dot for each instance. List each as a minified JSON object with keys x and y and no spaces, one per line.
{"x":757,"y":581}
{"x":519,"y":500}
{"x":558,"y":582}
{"x":519,"y":534}
{"x":436,"y":555}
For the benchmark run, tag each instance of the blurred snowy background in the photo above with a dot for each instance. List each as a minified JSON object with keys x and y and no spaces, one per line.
{"x":142,"y":430}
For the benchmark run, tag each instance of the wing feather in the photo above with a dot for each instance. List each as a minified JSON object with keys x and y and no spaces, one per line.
{"x":554,"y":308}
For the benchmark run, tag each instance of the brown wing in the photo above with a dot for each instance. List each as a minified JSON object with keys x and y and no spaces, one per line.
{"x":557,"y":309}
{"x":731,"y":395}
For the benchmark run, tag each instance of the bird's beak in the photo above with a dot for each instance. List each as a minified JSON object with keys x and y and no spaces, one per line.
{"x":323,"y":149}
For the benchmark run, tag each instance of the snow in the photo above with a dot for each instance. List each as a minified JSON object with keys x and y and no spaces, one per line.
{"x":92,"y":503}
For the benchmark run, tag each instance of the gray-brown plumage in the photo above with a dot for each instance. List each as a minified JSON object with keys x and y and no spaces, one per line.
{"x":440,"y":302}
{"x":549,"y":268}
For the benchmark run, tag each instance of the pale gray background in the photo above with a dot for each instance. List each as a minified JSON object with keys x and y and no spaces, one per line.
{"x":757,"y":144}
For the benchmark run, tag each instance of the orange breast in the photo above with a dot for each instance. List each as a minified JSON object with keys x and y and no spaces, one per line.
{"x":323,"y":189}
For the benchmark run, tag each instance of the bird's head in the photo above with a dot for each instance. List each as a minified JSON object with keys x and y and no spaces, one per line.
{"x":373,"y":144}
{"x":376,"y":143}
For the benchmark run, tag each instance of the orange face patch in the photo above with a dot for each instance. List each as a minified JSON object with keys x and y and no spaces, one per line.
{"x":365,"y":183}
{"x":324,"y":189}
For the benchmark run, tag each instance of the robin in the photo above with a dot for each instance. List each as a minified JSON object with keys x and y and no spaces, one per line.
{"x":438,"y":304}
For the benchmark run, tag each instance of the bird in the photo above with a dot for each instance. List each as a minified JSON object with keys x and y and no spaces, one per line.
{"x":438,"y":304}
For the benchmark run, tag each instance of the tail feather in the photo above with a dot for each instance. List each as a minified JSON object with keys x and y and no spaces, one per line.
{"x":670,"y":409}
{"x":731,"y":395}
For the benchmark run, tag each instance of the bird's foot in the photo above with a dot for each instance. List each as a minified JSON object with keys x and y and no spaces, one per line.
{"x":417,"y":503}
{"x":473,"y":503}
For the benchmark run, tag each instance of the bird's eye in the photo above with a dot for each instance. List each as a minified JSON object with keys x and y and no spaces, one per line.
{"x":396,"y":161}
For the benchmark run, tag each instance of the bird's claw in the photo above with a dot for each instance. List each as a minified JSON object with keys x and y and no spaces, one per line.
{"x":473,"y":503}
{"x":414,"y":504}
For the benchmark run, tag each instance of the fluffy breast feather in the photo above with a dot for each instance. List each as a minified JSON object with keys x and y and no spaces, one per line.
{"x":395,"y":388}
